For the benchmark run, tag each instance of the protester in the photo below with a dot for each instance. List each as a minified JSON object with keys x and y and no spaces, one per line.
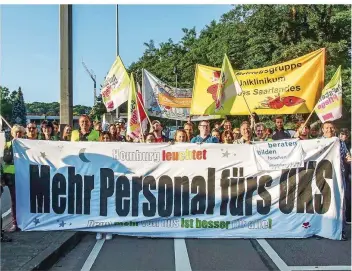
{"x":32,"y":131}
{"x":246,"y":134}
{"x":204,"y":134}
{"x":180,"y":136}
{"x":227,"y":125}
{"x":268,"y":134}
{"x":56,"y":129}
{"x":216,"y":133}
{"x":259,"y":129}
{"x":227,"y":137}
{"x":113,"y":132}
{"x":253,"y":119}
{"x":84,"y":133}
{"x":302,"y":131}
{"x":345,"y":137}
{"x":119,"y":136}
{"x":97,"y":126}
{"x":105,"y":137}
{"x":280,"y":132}
{"x":188,"y":127}
{"x":47,"y":131}
{"x":314,"y":131}
{"x":66,"y":135}
{"x":217,"y":125}
{"x":150,"y":138}
{"x":236,"y":133}
{"x":328,"y":129}
{"x":8,"y":177}
{"x":121,"y":123}
{"x":157,"y":131}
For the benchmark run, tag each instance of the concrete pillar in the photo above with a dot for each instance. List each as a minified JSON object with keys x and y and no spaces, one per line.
{"x":66,"y":77}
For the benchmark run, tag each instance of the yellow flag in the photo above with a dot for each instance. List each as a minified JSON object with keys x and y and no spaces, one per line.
{"x":228,"y":89}
{"x":133,"y":121}
{"x":116,"y":85}
{"x":291,"y":87}
{"x":329,"y":106}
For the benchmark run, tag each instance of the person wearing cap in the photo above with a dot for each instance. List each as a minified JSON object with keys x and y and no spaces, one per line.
{"x":157,"y":131}
{"x":47,"y":131}
{"x":8,"y":179}
{"x":85,"y":132}
{"x":121,"y":123}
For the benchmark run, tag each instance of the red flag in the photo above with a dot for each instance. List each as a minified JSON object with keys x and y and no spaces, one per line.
{"x":141,"y":111}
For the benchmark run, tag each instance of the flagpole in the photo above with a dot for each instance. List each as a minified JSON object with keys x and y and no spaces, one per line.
{"x":175,"y":71}
{"x":6,"y":122}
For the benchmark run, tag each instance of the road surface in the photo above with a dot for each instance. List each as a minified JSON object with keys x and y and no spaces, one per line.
{"x":131,"y":253}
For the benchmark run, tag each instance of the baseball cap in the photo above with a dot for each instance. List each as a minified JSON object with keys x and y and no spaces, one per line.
{"x":120,"y":120}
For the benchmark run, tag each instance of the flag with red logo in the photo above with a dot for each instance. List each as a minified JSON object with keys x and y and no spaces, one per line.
{"x":329,"y":106}
{"x":141,"y":110}
{"x":115,"y":87}
{"x":137,"y":119}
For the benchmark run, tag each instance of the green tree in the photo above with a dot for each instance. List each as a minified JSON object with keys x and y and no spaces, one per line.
{"x":98,"y":109}
{"x":5,"y":103}
{"x":256,"y":36}
{"x":19,"y":109}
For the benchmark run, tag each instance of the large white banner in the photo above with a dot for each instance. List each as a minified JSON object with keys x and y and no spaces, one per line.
{"x":181,"y":190}
{"x":164,"y":101}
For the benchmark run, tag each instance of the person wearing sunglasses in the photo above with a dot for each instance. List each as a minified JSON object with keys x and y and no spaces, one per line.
{"x":31,"y":131}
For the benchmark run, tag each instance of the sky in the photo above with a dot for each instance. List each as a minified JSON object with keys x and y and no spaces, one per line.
{"x":30,"y":42}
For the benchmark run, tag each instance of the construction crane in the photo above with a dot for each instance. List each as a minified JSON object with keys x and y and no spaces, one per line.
{"x":93,"y":77}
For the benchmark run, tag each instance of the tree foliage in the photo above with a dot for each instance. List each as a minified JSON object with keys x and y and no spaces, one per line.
{"x":10,"y":104}
{"x":256,"y":36}
{"x":53,"y":109}
{"x":5,"y":103}
{"x":18,"y":108}
{"x":98,"y":109}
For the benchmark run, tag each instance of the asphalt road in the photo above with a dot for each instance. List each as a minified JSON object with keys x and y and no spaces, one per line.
{"x":130,"y":253}
{"x":5,"y":201}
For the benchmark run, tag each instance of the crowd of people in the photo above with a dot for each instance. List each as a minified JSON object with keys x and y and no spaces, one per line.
{"x":249,"y":132}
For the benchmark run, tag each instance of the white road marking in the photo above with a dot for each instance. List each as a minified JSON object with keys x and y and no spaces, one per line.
{"x":283,"y":266}
{"x":328,"y":267}
{"x":273,"y":255}
{"x":181,"y":256}
{"x":6,"y":213}
{"x":93,"y":255}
